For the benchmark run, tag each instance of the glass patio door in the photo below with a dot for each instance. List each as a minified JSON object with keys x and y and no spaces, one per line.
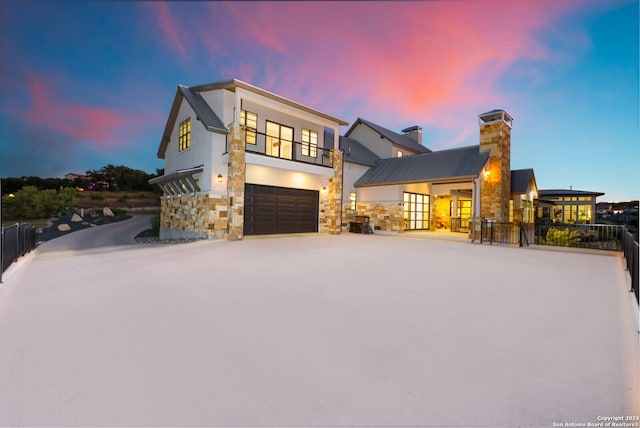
{"x":416,"y":211}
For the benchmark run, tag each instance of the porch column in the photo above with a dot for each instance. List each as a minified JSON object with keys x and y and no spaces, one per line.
{"x":235,"y":183}
{"x":335,"y":194}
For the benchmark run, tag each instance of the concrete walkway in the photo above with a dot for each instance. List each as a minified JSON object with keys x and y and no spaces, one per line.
{"x":351,"y":330}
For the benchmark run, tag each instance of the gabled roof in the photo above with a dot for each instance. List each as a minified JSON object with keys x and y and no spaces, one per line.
{"x":204,"y":114}
{"x":520,"y":179}
{"x":446,"y":165}
{"x":394,"y":137}
{"x":231,"y":85}
{"x":565,"y":192}
{"x":354,"y":151}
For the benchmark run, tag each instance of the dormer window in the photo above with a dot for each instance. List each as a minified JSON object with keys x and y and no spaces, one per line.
{"x":184,"y":135}
{"x":400,"y":153}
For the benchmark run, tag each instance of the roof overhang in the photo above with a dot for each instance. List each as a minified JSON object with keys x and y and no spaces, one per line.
{"x":442,"y":180}
{"x":231,"y":85}
{"x":179,"y":182}
{"x":173,"y":114}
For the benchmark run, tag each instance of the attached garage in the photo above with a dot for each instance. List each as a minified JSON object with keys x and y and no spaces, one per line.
{"x":270,"y":210}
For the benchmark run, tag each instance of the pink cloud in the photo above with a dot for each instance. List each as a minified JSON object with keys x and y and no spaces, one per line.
{"x":103,"y":126}
{"x":431,"y":63}
{"x":168,"y":25}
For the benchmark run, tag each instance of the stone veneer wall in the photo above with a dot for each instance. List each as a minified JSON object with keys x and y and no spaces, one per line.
{"x":236,"y":171}
{"x":495,"y":190}
{"x":387,"y":216}
{"x":193,"y":216}
{"x":334,"y":215}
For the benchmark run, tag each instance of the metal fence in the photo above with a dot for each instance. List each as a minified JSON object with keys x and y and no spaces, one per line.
{"x":630,"y":249}
{"x":17,"y":240}
{"x":489,"y":231}
{"x":594,"y":236}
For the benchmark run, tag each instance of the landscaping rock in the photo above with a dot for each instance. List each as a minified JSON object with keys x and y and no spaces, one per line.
{"x":64,"y":227}
{"x":76,"y":218}
{"x":106,"y":211}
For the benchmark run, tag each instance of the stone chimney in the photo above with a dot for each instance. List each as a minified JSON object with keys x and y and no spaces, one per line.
{"x":495,"y":185}
{"x":413,"y":132}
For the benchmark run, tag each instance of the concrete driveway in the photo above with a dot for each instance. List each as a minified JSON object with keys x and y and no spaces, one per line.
{"x":347,"y":330}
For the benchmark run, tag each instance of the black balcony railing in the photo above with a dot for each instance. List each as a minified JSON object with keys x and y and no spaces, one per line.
{"x":262,"y":144}
{"x":17,"y":240}
{"x":630,"y":249}
{"x":489,"y":231}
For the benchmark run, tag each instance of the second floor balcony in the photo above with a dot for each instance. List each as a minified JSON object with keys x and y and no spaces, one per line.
{"x":286,"y":148}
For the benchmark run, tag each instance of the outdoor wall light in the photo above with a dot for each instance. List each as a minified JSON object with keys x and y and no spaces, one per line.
{"x":324,"y":190}
{"x":487,"y":173}
{"x":219,"y":178}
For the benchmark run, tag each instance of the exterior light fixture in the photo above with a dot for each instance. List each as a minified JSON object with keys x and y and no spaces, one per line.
{"x":219,"y":178}
{"x":487,"y":173}
{"x":324,"y":190}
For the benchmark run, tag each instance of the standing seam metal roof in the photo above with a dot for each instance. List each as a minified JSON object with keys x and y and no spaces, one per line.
{"x":520,"y":179}
{"x":464,"y":162}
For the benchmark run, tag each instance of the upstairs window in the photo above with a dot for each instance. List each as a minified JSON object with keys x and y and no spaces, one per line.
{"x":184,"y":135}
{"x":400,"y":153}
{"x":279,"y":140}
{"x":309,"y":143}
{"x":250,"y":122}
{"x":352,"y":201}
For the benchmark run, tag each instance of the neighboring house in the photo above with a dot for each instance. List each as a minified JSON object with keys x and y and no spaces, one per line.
{"x":241,"y":160}
{"x":73,"y":176}
{"x":419,"y":189}
{"x":524,"y":193}
{"x":567,"y":206}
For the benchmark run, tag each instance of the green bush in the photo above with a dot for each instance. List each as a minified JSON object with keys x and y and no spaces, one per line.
{"x":562,"y":237}
{"x":155,"y":225}
{"x":30,"y":203}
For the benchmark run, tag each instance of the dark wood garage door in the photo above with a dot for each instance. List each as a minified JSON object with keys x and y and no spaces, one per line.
{"x":269,"y":209}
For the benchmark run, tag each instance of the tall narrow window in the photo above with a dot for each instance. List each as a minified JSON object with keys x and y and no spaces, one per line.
{"x":352,"y":201}
{"x":279,"y":140}
{"x":250,"y":122}
{"x":400,"y":153}
{"x":416,"y":211}
{"x":309,"y":143}
{"x":184,"y":135}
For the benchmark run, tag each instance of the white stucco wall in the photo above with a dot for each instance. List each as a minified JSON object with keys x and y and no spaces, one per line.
{"x":221,"y":102}
{"x":200,"y":152}
{"x":260,"y":174}
{"x":351,"y":173}
{"x":371,"y":139}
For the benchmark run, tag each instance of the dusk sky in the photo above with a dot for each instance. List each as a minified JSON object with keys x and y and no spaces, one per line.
{"x":85,"y":84}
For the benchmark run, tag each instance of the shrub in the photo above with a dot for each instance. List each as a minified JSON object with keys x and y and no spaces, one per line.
{"x":30,"y":203}
{"x":562,"y":237}
{"x":155,"y":225}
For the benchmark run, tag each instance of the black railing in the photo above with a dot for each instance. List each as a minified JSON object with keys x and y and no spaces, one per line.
{"x":459,"y":224}
{"x":630,"y":249}
{"x":594,"y":236}
{"x":489,"y":231}
{"x":17,"y":240}
{"x":262,"y":144}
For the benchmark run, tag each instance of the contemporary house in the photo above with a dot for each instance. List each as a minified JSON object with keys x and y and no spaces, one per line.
{"x":567,"y":206}
{"x":402,"y":185}
{"x":240,"y":160}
